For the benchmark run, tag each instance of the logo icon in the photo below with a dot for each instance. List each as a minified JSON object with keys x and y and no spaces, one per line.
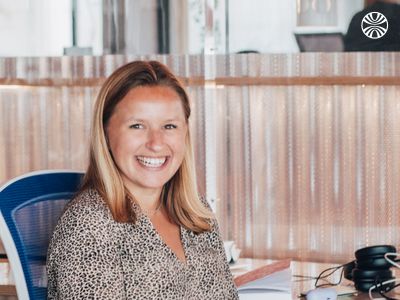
{"x":374,"y":25}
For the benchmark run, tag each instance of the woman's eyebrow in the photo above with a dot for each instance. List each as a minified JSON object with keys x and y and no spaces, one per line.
{"x":133,"y":119}
{"x":174,"y":120}
{"x":129,"y":119}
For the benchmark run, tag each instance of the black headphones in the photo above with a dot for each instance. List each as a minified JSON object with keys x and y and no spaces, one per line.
{"x":370,"y":267}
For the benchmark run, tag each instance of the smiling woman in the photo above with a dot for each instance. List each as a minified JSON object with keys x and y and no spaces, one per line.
{"x":137,"y":229}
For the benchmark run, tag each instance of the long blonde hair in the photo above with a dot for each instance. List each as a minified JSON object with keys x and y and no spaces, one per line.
{"x":179,"y":194}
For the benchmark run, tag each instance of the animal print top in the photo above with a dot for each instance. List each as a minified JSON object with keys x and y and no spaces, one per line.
{"x":93,"y":257}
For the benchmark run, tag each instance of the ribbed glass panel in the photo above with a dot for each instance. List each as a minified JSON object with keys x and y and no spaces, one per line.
{"x":46,"y":107}
{"x":309,"y":172}
{"x":301,"y":151}
{"x":44,"y":128}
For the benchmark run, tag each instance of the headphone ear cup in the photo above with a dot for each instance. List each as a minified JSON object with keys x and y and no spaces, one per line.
{"x":373,"y":252}
{"x":364,"y":286}
{"x":373,"y":263}
{"x":365,"y":279}
{"x":374,"y":275}
{"x":348,"y":269}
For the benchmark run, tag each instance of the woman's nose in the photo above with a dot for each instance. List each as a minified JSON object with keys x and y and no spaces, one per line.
{"x":155,"y":140}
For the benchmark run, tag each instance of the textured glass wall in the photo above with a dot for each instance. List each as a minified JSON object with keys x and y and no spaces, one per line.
{"x":300,"y":151}
{"x":308,"y":160}
{"x":43,"y":127}
{"x":46,"y":107}
{"x":309,"y":172}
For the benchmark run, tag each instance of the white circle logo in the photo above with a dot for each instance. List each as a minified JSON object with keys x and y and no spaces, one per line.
{"x":374,"y":25}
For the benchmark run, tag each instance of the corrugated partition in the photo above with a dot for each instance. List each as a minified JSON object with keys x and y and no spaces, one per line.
{"x":46,"y":106}
{"x":308,"y":162}
{"x":301,"y":151}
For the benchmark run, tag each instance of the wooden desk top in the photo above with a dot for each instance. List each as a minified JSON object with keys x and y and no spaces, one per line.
{"x":305,"y":269}
{"x":7,"y":285}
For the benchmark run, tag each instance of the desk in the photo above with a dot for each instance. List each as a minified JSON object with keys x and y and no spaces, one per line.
{"x":305,"y":269}
{"x":8,"y":292}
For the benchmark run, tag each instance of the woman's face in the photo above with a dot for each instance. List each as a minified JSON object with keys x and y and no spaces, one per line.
{"x":147,"y":137}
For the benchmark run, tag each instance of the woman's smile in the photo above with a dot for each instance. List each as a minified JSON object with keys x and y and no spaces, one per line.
{"x":152,"y":162}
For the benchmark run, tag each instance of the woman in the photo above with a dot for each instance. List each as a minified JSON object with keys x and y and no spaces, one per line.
{"x":137,"y":229}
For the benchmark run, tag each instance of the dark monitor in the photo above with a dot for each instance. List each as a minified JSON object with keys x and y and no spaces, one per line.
{"x":320,"y":42}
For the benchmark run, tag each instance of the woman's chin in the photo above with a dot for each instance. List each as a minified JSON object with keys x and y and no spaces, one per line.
{"x":150,"y":183}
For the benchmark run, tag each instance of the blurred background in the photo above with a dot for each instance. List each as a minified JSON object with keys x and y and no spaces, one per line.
{"x":296,"y":139}
{"x":97,"y":27}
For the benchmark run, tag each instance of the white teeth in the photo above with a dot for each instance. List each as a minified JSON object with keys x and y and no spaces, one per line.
{"x":151,"y":162}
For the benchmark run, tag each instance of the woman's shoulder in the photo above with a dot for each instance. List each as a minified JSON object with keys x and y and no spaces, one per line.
{"x":203,"y":199}
{"x":212,"y":221}
{"x":86,"y":209}
{"x":85,"y":231}
{"x":209,"y":238}
{"x":86,"y":218}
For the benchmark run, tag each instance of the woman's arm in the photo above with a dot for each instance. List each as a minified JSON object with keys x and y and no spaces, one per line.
{"x":231,"y":290}
{"x":83,"y":258}
{"x":228,"y":290}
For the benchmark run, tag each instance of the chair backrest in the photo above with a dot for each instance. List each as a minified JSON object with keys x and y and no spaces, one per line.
{"x":30,"y":206}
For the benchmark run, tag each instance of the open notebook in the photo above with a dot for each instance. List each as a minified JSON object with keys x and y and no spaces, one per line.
{"x":272,"y":281}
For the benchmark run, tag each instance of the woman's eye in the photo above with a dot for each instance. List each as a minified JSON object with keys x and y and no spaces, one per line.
{"x":136,"y":126}
{"x":170,"y":126}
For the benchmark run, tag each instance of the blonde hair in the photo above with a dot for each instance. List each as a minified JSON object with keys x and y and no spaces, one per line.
{"x":179,"y":194}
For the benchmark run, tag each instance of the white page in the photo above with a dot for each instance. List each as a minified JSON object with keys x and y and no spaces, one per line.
{"x":278,"y":281}
{"x":264,"y":295}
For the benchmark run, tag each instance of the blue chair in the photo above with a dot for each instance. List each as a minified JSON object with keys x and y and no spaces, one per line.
{"x":30,"y":207}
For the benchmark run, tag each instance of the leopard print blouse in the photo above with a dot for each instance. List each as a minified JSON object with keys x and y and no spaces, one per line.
{"x":93,"y":257}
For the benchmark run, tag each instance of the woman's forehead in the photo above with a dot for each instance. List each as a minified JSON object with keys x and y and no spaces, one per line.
{"x":151,"y":102}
